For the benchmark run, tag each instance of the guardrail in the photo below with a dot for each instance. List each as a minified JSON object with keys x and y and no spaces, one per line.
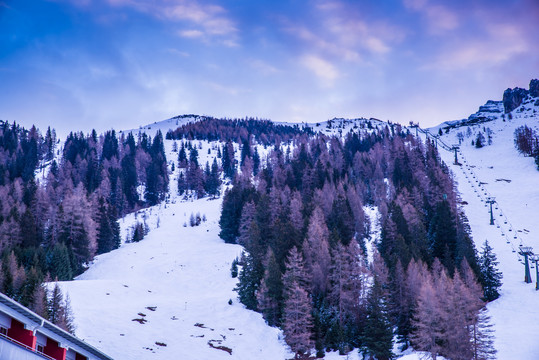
{"x":26,"y":347}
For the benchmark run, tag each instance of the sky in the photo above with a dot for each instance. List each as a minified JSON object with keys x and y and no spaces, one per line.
{"x":83,"y":64}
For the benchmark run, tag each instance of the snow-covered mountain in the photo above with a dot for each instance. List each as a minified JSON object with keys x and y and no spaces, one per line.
{"x":171,"y":296}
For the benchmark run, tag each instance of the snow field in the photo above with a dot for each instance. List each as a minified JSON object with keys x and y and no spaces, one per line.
{"x":512,"y":179}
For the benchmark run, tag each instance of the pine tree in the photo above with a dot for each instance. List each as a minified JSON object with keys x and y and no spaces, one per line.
{"x":249,"y":282}
{"x":270,"y":294}
{"x":39,"y":302}
{"x":213,"y":180}
{"x":443,"y":233}
{"x":59,"y":310}
{"x":14,"y":276}
{"x":256,"y":162}
{"x":108,"y":230}
{"x":316,"y":252}
{"x":77,"y":228}
{"x":182,"y":185}
{"x":482,"y":337}
{"x":182,"y":157}
{"x":228,"y":160}
{"x":58,"y":262}
{"x":377,"y":334}
{"x":428,"y":321}
{"x":347,"y":277}
{"x":55,"y":304}
{"x":297,"y":318}
{"x":479,"y":140}
{"x":490,"y":276}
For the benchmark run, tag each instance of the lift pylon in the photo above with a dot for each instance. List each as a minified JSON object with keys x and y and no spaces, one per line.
{"x":491,"y":200}
{"x":526,"y":251}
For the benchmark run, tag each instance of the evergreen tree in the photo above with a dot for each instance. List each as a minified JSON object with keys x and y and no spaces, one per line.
{"x":270,"y":294}
{"x":249,"y":282}
{"x":428,"y":324}
{"x":55,"y":304}
{"x":297,"y":318}
{"x":182,"y":186}
{"x":482,"y":337}
{"x":443,"y":233}
{"x":490,"y":276}
{"x":228,"y":160}
{"x":58,"y":262}
{"x":213,"y":180}
{"x":377,"y":334}
{"x":346,"y":293}
{"x":256,"y":162}
{"x":129,"y":172}
{"x":108,"y":229}
{"x":479,"y":140}
{"x":182,"y":157}
{"x":30,"y":234}
{"x":316,"y":252}
{"x":77,"y":228}
{"x":59,"y":310}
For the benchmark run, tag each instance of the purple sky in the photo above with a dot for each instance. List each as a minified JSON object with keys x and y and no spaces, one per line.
{"x":82,"y":64}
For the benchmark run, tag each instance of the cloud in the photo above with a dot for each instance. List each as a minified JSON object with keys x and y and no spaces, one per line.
{"x":499,"y":44}
{"x":177,"y":52}
{"x":191,"y":34}
{"x":210,"y":21}
{"x":226,"y":89}
{"x":439,"y":18}
{"x":263,"y":67}
{"x":345,"y":31}
{"x":323,"y":69}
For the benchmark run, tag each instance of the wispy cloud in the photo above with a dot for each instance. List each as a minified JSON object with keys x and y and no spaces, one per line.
{"x":342,"y":31}
{"x":206,"y":21}
{"x":499,"y":43}
{"x":439,"y":18}
{"x":191,"y":34}
{"x":226,"y":89}
{"x":263,"y":67}
{"x":323,"y":69}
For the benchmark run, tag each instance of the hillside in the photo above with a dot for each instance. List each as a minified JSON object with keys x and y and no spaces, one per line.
{"x":192,"y":314}
{"x":498,"y":171}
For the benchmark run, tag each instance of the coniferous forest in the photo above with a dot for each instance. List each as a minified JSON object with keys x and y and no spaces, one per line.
{"x":301,"y":218}
{"x":51,"y":228}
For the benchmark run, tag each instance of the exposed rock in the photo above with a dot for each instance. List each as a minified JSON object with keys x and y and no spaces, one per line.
{"x":512,"y":98}
{"x":534,"y":88}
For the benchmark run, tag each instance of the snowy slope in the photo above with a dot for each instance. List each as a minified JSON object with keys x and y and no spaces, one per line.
{"x":341,"y":126}
{"x":182,"y":271}
{"x":499,"y":171}
{"x":166,"y":125}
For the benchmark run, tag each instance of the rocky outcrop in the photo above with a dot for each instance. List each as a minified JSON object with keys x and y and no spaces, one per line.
{"x":512,"y":98}
{"x":534,"y":88}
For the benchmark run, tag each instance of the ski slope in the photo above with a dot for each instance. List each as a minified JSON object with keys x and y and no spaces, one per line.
{"x":498,"y":171}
